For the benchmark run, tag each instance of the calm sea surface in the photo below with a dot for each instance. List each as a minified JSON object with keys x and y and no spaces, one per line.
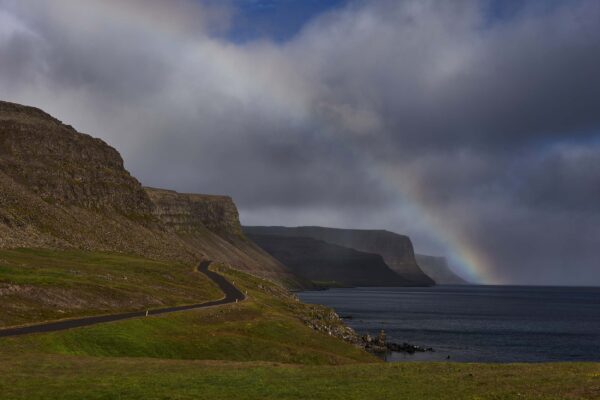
{"x":476,"y":323}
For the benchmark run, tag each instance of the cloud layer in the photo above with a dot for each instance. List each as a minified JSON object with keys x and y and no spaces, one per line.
{"x":476,"y":134}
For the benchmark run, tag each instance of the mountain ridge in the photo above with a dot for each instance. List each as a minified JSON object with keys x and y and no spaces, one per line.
{"x":63,"y":189}
{"x":396,"y":249}
{"x":328,"y":264}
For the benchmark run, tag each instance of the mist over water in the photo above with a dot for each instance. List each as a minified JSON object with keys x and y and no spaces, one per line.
{"x":476,"y":323}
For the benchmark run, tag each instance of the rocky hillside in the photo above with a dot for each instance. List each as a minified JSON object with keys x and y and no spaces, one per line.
{"x":437,"y":268}
{"x":328,"y":264}
{"x":63,"y":189}
{"x":63,"y":166}
{"x":194,"y":213}
{"x":211,"y":224}
{"x":396,"y":250}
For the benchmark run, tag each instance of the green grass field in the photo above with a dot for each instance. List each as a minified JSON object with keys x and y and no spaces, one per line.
{"x":40,"y":285}
{"x":70,"y":377}
{"x":266,"y":327}
{"x":256,"y":349}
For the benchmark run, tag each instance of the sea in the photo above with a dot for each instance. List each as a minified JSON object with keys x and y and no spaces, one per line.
{"x":499,"y":324}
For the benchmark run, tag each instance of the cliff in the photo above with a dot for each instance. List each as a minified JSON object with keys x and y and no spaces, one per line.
{"x":192,"y":213}
{"x":63,"y":189}
{"x":63,"y":166}
{"x":211,"y":224}
{"x":328,"y":264}
{"x":437,"y":268}
{"x":396,"y":250}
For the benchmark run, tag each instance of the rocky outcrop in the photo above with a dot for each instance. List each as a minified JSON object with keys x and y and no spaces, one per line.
{"x":437,"y":268}
{"x":396,"y":250}
{"x":325,"y":320}
{"x":328,"y":264}
{"x":63,"y":166}
{"x":380,"y":344}
{"x":211,"y":224}
{"x":192,"y":213}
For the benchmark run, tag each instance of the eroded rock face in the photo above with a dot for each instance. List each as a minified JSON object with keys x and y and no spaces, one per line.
{"x":396,"y":250}
{"x":63,"y":189}
{"x":190,"y":213}
{"x":211,"y":224}
{"x":64,"y":166}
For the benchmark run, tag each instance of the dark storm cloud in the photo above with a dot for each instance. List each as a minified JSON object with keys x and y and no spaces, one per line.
{"x":262,"y":165}
{"x":441,"y":76}
{"x":426,"y":117}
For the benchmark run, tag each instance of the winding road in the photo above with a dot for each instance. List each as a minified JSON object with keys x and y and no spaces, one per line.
{"x":232,"y":295}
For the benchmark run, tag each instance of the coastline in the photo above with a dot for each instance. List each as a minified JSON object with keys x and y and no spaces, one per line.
{"x":475,"y":323}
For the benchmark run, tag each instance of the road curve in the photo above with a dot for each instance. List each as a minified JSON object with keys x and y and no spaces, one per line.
{"x":232,"y":294}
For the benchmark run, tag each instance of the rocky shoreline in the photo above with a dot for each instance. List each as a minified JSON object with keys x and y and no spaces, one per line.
{"x":379,"y":344}
{"x":325,"y":320}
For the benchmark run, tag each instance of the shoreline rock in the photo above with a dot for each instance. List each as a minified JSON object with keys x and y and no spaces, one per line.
{"x":380,"y":344}
{"x":325,"y":320}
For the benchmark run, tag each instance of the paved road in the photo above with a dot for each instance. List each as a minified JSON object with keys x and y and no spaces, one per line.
{"x":232,"y":294}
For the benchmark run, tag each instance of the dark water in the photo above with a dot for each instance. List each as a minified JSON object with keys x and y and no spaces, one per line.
{"x":477,"y":323}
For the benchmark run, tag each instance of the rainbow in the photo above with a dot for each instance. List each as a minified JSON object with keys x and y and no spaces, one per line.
{"x":472,"y":264}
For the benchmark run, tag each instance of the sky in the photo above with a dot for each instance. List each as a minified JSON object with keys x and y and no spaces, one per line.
{"x":472,"y":126}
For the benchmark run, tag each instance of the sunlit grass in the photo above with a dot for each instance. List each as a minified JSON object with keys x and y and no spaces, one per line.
{"x":40,"y":285}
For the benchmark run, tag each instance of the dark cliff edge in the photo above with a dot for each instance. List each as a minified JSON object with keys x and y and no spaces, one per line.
{"x":211,"y":224}
{"x":67,"y":190}
{"x":437,"y":268}
{"x":397,"y":250}
{"x":190,"y":213}
{"x":328,"y":264}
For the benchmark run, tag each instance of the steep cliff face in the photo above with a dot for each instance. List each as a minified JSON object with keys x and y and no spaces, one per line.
{"x":437,"y":268}
{"x":63,"y":189}
{"x":211,"y":224}
{"x":60,"y":188}
{"x":193,"y":213}
{"x":328,"y":264}
{"x":63,"y":166}
{"x":396,"y":250}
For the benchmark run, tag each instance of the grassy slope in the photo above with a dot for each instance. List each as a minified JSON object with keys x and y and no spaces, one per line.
{"x":260,"y":350}
{"x":40,"y":285}
{"x":265,"y":328}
